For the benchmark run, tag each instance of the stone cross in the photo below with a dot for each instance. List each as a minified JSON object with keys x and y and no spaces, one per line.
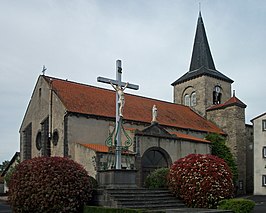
{"x":119,"y":86}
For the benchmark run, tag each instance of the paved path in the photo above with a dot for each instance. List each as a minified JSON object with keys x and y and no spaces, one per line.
{"x":4,"y":208}
{"x":259,"y":208}
{"x":260,"y":203}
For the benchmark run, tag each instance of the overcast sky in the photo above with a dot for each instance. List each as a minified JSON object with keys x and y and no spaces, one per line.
{"x":80,"y":40}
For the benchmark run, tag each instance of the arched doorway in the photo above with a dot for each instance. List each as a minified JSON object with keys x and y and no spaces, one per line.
{"x":154,"y":158}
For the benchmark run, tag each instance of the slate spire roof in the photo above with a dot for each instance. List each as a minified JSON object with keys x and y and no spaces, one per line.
{"x":201,"y":60}
{"x":201,"y":54}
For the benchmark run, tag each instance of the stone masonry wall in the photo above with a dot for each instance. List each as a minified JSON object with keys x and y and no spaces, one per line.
{"x":250,"y":159}
{"x":232,"y":121}
{"x":203,"y":86}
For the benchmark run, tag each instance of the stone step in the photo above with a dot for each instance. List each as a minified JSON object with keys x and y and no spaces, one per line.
{"x":148,"y":201}
{"x":150,"y":198}
{"x":145,"y":199}
{"x":137,"y":190}
{"x":141,"y":195}
{"x":138,"y":198}
{"x":152,"y":206}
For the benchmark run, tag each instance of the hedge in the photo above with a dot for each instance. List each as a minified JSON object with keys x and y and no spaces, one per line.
{"x":96,"y":209}
{"x":157,"y":179}
{"x":237,"y":205}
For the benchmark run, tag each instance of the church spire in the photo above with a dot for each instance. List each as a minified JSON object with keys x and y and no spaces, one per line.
{"x":201,"y":54}
{"x":201,"y":60}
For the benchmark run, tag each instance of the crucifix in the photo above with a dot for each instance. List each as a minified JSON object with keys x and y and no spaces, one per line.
{"x":119,"y":86}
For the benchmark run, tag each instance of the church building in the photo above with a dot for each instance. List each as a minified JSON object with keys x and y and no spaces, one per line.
{"x":75,"y":120}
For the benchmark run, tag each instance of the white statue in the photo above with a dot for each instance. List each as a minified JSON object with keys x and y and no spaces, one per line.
{"x":121,"y":97}
{"x":154,"y":113}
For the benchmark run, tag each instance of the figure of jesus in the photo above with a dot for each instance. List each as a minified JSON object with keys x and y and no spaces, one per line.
{"x":121,"y":97}
{"x":154,"y":113}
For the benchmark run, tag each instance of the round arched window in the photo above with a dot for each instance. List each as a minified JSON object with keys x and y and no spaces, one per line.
{"x":193,"y":99}
{"x":39,"y":140}
{"x":55,"y":137}
{"x":187,"y":100}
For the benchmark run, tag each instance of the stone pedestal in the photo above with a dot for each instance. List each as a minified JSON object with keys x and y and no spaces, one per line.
{"x":117,"y":178}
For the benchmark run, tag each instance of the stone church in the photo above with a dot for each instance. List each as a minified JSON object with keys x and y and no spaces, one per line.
{"x":75,"y":120}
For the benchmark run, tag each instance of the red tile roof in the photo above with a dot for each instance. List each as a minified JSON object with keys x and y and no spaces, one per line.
{"x":234,"y":101}
{"x":102,"y":148}
{"x":97,"y":147}
{"x":189,"y":137}
{"x":90,"y":100}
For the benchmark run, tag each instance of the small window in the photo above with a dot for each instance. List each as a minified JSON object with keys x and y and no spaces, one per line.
{"x":40,"y":92}
{"x":193,"y":99}
{"x":39,"y":140}
{"x":187,"y":100}
{"x":264,"y":152}
{"x":263,"y":125}
{"x":240,"y":184}
{"x":264,"y":180}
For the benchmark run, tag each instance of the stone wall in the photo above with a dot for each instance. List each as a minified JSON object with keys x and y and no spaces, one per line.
{"x":203,"y":86}
{"x":250,"y":159}
{"x":44,"y":104}
{"x":232,"y":120}
{"x":87,"y":158}
{"x":37,"y":112}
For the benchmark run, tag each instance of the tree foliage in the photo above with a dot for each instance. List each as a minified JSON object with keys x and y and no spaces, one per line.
{"x":237,"y":205}
{"x":157,"y":179}
{"x":201,"y":180}
{"x":3,"y":165}
{"x":49,"y":184}
{"x":219,"y":149}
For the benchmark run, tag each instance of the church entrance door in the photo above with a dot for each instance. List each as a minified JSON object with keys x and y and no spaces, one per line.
{"x":154,"y":158}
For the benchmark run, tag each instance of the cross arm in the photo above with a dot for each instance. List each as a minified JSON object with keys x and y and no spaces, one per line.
{"x":107,"y":81}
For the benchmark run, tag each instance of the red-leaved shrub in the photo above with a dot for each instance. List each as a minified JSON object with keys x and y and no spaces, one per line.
{"x":201,"y":180}
{"x":49,"y":184}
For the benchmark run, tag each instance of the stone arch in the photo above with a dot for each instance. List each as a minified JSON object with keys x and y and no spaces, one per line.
{"x":154,"y":158}
{"x":187,"y":95}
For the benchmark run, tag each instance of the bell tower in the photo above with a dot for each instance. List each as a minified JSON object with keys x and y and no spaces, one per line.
{"x":203,"y":85}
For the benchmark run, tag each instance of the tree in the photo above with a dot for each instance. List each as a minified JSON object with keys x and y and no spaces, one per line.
{"x":4,"y":165}
{"x":219,"y":149}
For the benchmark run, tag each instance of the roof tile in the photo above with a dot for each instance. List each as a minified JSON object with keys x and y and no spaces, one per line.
{"x":233,"y":101}
{"x":97,"y":147}
{"x":90,"y":100}
{"x":189,"y":137}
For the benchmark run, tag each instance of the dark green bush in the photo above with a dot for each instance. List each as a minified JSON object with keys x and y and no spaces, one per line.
{"x":94,"y":182}
{"x":157,"y":179}
{"x":49,"y":184}
{"x":219,"y":149}
{"x":237,"y":205}
{"x":94,"y":209}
